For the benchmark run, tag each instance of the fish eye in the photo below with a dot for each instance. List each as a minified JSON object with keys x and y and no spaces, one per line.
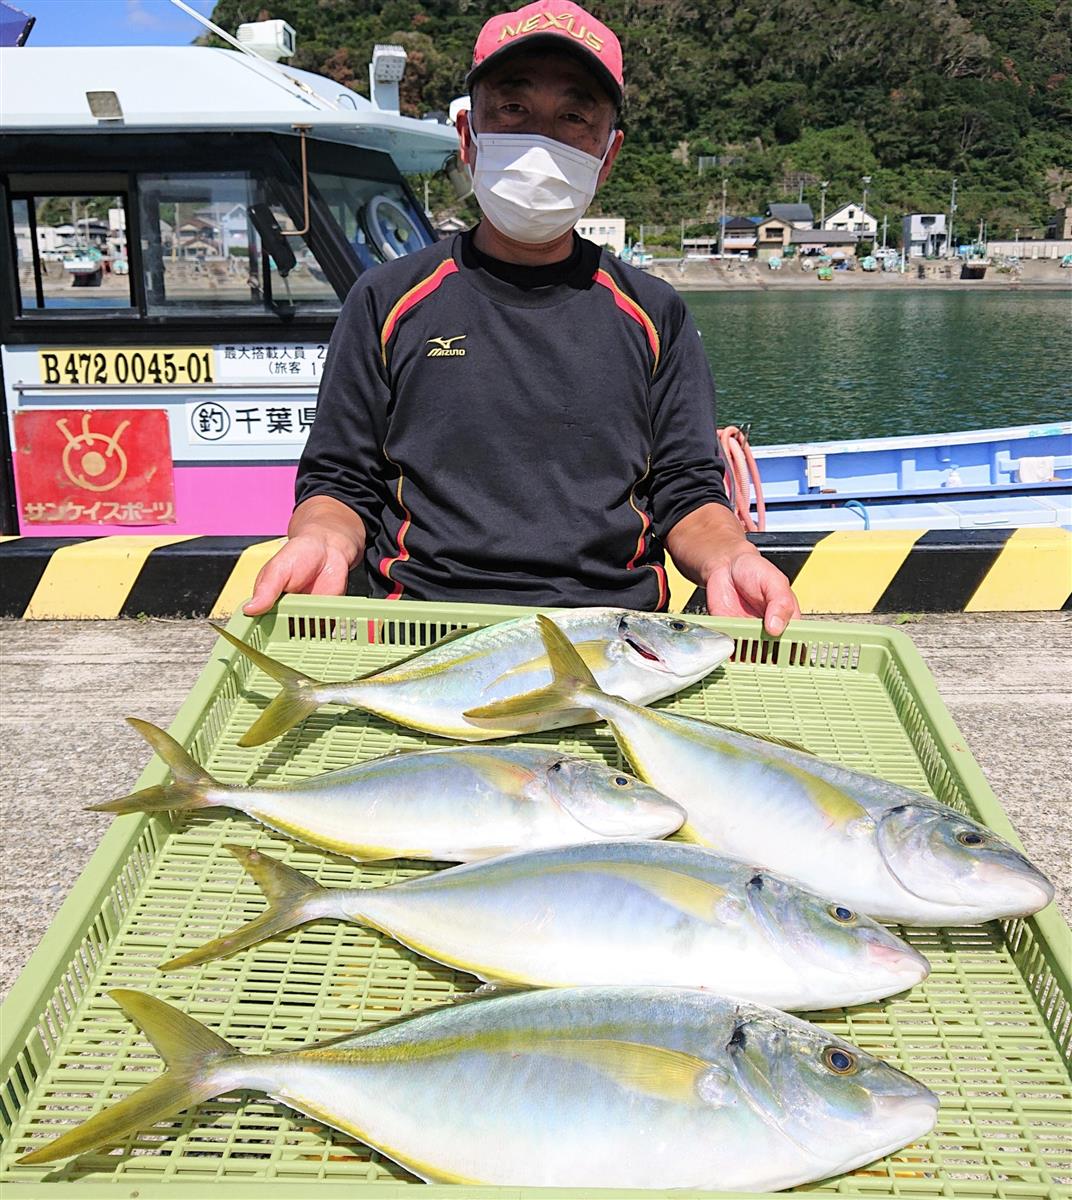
{"x":678,"y":626}
{"x":841,"y":1062}
{"x":555,"y":767}
{"x":970,"y":837}
{"x":840,"y":913}
{"x":621,"y":781}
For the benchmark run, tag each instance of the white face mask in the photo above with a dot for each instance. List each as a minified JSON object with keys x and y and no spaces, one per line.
{"x":533,"y":189}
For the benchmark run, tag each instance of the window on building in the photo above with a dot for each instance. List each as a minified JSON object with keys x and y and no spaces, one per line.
{"x":70,"y":247}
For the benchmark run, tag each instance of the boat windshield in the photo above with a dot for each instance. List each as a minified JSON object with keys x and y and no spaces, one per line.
{"x":201,"y":247}
{"x":378,"y":220}
{"x":225,"y":241}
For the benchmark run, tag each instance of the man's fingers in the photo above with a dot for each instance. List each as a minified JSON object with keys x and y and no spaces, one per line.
{"x":781,"y":604}
{"x":283,"y":572}
{"x":266,"y":590}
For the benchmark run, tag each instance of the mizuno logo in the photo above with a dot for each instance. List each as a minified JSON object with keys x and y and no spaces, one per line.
{"x":443,"y":348}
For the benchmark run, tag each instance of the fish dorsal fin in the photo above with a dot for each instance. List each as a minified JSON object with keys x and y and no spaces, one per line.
{"x":785,"y":743}
{"x":400,"y":664}
{"x":655,"y":1071}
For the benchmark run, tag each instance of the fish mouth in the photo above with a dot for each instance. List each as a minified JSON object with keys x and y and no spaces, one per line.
{"x":644,"y":651}
{"x":901,"y":961}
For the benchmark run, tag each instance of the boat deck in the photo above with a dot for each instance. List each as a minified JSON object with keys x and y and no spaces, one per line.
{"x":1006,"y":678}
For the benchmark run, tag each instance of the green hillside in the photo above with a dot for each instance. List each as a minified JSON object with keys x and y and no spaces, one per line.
{"x":910,"y":92}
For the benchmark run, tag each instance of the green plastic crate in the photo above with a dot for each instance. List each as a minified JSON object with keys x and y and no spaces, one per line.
{"x":990,"y":1031}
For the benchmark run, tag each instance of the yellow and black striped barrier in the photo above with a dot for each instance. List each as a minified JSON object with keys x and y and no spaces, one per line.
{"x":916,"y":570}
{"x":885,"y":570}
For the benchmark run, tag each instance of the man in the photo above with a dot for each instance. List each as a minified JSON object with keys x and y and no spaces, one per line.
{"x":514,"y":416}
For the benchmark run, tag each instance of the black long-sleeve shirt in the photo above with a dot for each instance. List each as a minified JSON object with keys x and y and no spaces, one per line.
{"x":513,"y":434}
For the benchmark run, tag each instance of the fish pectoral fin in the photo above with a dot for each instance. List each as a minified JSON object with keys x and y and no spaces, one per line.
{"x":654,"y":1071}
{"x":571,"y":681}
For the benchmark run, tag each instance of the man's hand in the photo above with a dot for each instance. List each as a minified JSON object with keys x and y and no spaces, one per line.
{"x":325,"y":540}
{"x":745,"y":584}
{"x":709,"y":547}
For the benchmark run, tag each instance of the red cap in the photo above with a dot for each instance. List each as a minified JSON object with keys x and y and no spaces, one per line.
{"x":557,"y":24}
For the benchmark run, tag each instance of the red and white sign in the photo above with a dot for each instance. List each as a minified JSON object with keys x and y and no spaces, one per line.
{"x":102,"y":466}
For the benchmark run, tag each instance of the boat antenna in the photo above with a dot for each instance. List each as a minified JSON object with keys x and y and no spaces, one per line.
{"x":268,"y":70}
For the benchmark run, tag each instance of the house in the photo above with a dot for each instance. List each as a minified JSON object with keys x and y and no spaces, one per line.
{"x":772,"y":236}
{"x":231,"y":222}
{"x":448,"y":226}
{"x":797,"y":216}
{"x":1060,"y":224}
{"x":604,"y":231}
{"x":923,"y":235}
{"x":700,"y":247}
{"x":822,"y":241}
{"x":739,"y":234}
{"x":199,"y":238}
{"x":853,"y":218}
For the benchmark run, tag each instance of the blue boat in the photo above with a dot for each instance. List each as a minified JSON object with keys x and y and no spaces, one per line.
{"x":979,"y":479}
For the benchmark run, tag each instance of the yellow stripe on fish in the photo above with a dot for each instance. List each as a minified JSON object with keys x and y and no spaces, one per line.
{"x":654,"y":1071}
{"x":593,"y":654}
{"x":683,"y":892}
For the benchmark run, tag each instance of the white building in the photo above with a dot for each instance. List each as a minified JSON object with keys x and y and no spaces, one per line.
{"x":924,"y":235}
{"x":851,"y":217}
{"x":604,"y":231}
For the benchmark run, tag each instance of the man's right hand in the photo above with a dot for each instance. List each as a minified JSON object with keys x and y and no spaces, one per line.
{"x":325,"y":540}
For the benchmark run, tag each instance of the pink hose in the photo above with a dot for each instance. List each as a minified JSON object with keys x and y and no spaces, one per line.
{"x":742,"y":478}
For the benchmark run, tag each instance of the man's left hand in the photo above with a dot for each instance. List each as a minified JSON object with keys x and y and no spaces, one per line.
{"x":708,"y":546}
{"x":742,"y":583}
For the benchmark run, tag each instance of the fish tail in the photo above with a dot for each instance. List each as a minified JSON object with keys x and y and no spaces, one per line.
{"x":193,"y":786}
{"x":572,"y":684}
{"x":292,"y":900}
{"x":200,"y":1065}
{"x":293,"y":704}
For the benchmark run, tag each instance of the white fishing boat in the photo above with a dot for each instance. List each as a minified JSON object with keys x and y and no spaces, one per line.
{"x":230,"y":202}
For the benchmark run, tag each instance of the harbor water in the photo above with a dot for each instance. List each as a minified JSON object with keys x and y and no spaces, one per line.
{"x":819,"y":366}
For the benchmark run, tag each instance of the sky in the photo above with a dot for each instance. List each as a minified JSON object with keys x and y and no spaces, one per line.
{"x":112,"y":22}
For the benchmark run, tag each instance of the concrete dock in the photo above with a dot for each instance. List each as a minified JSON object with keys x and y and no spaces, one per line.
{"x":66,"y":685}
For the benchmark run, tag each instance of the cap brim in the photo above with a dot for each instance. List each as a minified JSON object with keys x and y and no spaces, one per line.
{"x":550,"y":41}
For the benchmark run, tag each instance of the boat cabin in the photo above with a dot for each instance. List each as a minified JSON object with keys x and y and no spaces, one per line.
{"x":180,"y":226}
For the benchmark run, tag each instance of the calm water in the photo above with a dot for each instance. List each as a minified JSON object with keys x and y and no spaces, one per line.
{"x":814,"y":366}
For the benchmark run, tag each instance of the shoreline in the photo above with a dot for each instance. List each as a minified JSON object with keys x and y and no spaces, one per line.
{"x":868,"y":285}
{"x":752,"y":277}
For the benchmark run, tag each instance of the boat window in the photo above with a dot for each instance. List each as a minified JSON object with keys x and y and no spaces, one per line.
{"x":201,"y":248}
{"x":71,"y":251}
{"x":379,"y":219}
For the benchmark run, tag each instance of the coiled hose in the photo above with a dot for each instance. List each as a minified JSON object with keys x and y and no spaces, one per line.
{"x":742,"y":478}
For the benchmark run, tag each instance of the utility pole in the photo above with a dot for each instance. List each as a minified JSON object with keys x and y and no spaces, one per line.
{"x":427,"y":213}
{"x":884,"y":219}
{"x":952,"y":214}
{"x":822,"y":203}
{"x":866,"y":179}
{"x":722,"y":222}
{"x":800,"y":191}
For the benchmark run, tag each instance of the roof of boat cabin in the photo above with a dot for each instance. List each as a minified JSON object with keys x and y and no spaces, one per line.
{"x":191,"y":88}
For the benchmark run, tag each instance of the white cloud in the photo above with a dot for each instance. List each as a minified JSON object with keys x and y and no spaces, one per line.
{"x":140,"y":17}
